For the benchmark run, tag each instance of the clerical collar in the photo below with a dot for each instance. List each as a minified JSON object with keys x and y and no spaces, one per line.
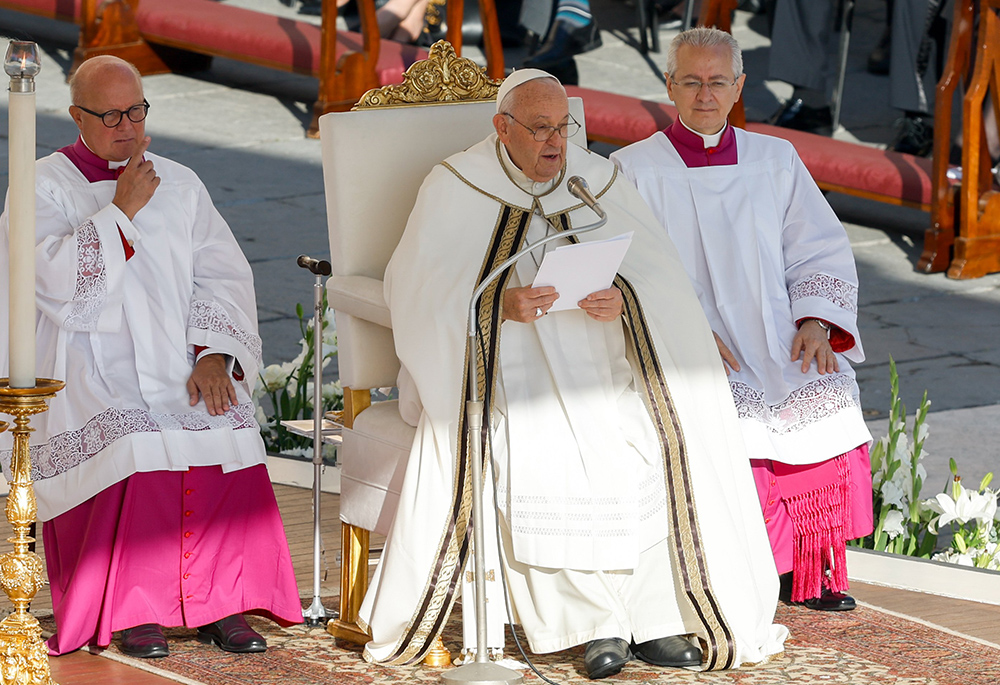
{"x":696,"y":150}
{"x":710,"y":140}
{"x":521,"y":180}
{"x":94,"y":168}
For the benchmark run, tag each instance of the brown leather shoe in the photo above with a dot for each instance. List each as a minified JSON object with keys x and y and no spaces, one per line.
{"x":232,"y":634}
{"x":144,"y":641}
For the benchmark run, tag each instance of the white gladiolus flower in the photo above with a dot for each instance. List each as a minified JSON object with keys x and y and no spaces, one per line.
{"x":902,"y":451}
{"x":892,"y":494}
{"x":276,"y":376}
{"x":893,"y":526}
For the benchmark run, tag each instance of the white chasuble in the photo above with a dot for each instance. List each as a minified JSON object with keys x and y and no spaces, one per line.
{"x":669,"y":413}
{"x":764,"y":250}
{"x":122,"y":334}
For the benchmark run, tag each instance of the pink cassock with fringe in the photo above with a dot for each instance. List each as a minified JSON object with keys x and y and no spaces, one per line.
{"x":810,"y":512}
{"x":177,"y":548}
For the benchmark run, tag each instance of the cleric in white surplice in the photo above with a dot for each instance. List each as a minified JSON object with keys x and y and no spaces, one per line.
{"x":149,"y":467}
{"x":627,"y":506}
{"x":775,"y":274}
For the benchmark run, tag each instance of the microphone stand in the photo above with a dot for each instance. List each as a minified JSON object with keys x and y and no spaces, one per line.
{"x":317,"y":614}
{"x":482,"y":671}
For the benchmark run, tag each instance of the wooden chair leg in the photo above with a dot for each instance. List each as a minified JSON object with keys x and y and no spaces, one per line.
{"x":343,"y":81}
{"x":977,"y":247}
{"x":353,"y":584}
{"x":940,"y":237}
{"x":354,"y":547}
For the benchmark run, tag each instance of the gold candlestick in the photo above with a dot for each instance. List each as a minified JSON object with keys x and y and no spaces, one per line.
{"x":24,"y":659}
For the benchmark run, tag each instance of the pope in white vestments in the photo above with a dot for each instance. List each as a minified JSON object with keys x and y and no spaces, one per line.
{"x":149,"y":466}
{"x":774,"y":272}
{"x":626,"y":505}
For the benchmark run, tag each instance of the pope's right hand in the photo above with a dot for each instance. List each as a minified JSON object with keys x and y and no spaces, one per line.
{"x":137,"y":183}
{"x":528,"y":304}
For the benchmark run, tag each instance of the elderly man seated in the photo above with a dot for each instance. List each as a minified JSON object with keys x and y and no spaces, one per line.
{"x":149,"y":468}
{"x":626,"y":506}
{"x":775,"y":275}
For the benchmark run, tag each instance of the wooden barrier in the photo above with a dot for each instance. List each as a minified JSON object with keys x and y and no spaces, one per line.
{"x":964,"y":236}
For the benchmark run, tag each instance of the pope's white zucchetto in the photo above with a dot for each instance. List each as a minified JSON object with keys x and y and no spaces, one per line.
{"x":517,"y":78}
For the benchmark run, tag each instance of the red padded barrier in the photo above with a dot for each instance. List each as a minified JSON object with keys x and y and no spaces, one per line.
{"x":844,"y":166}
{"x":264,"y":39}
{"x":66,"y":10}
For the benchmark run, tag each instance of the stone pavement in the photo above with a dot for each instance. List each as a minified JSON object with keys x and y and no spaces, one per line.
{"x":242,"y":129}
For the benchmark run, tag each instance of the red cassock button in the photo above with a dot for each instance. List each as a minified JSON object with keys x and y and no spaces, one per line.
{"x":186,"y":576}
{"x":189,"y":491}
{"x":188,"y":533}
{"x":187,"y":555}
{"x":188,"y":513}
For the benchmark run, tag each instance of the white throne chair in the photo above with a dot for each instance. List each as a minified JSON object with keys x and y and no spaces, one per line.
{"x":374,"y":159}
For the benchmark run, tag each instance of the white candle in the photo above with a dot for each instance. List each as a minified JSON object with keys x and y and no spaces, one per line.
{"x":21,"y":215}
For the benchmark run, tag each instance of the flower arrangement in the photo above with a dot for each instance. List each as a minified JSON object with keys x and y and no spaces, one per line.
{"x":905,"y":524}
{"x":975,"y":527}
{"x":288,"y":389}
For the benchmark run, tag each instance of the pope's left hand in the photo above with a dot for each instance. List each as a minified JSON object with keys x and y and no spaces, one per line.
{"x":811,"y":343}
{"x":604,"y":305}
{"x":210,"y":380}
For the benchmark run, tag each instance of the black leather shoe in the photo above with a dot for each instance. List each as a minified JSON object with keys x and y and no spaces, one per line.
{"x":785,"y":587}
{"x":673,"y":651}
{"x":563,"y":42}
{"x":798,"y":116}
{"x":831,"y":601}
{"x":914,"y":136}
{"x":232,"y":634}
{"x":144,"y":641}
{"x":606,"y":657}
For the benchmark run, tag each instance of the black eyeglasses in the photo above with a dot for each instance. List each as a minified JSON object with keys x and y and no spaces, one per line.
{"x":113,"y":117}
{"x":544,"y":133}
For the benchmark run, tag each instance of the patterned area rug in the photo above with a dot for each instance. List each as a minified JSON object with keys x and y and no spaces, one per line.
{"x":862,"y":647}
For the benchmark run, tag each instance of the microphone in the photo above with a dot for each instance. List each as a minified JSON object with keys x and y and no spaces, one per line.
{"x":320,"y":267}
{"x":578,"y":188}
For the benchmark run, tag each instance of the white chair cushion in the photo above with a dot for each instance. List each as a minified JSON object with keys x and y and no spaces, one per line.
{"x":372,"y":461}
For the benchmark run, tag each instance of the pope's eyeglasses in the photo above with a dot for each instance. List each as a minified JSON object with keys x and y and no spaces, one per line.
{"x":544,"y":133}
{"x":717,"y":86}
{"x":113,"y":117}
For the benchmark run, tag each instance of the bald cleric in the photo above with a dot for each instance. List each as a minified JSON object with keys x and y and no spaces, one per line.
{"x":149,"y":466}
{"x":627,"y":512}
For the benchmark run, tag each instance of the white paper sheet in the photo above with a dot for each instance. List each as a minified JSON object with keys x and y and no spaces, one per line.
{"x":576,"y":271}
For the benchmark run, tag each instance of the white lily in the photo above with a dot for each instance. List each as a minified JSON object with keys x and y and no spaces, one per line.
{"x":970,"y":505}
